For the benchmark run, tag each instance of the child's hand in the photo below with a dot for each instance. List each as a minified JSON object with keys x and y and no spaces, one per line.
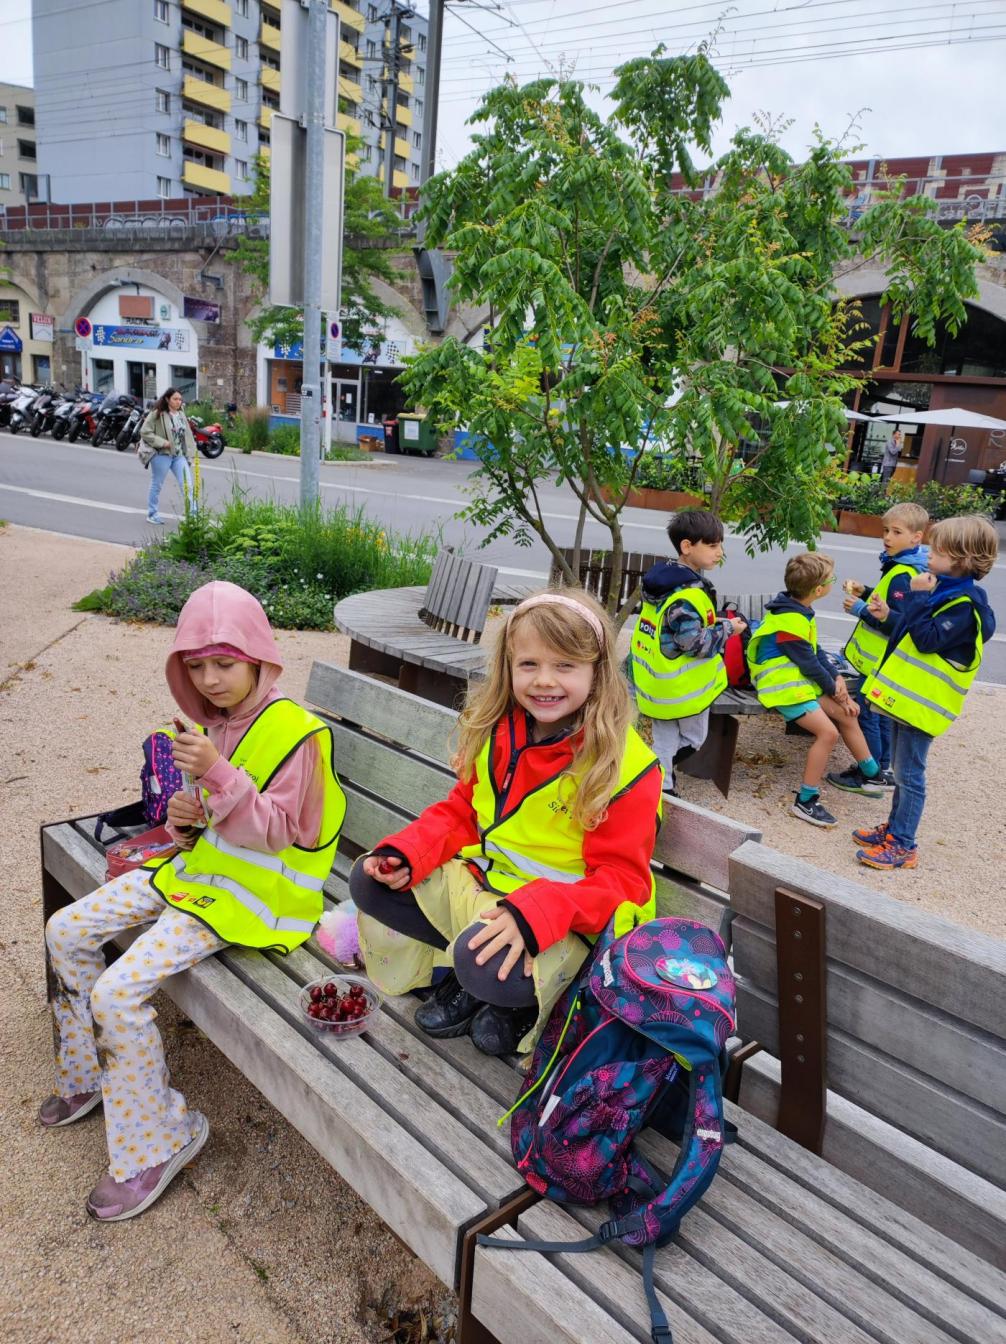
{"x":849,"y":602}
{"x":738,"y":624}
{"x":194,"y":753}
{"x":389,"y":869}
{"x":501,"y":932}
{"x":185,"y":811}
{"x":923,"y":583}
{"x":878,"y":608}
{"x":854,"y":588}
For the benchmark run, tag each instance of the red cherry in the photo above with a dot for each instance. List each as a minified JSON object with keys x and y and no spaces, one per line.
{"x":387,"y":866}
{"x":313,"y":1010}
{"x":315,"y":993}
{"x":331,"y":988}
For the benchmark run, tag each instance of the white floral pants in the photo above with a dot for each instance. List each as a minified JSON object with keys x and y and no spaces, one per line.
{"x":107,"y":1036}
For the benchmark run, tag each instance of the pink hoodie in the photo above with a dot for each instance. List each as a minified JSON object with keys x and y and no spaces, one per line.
{"x":290,"y":810}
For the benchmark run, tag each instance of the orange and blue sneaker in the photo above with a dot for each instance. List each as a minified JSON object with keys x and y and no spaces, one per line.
{"x":871,"y":836}
{"x":888,"y":856}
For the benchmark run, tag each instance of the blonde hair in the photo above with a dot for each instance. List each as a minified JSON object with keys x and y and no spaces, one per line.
{"x":807,"y":571}
{"x":908,"y":515}
{"x":605,"y":717}
{"x":971,"y":543}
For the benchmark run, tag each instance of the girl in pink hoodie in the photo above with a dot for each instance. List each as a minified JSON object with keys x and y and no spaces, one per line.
{"x":266,"y":787}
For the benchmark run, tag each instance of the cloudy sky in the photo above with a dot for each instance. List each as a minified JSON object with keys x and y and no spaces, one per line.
{"x":926,"y":75}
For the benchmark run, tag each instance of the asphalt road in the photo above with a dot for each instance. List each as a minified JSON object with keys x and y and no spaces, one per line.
{"x":99,"y":493}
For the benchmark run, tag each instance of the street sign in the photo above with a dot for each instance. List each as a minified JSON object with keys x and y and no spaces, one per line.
{"x":82,"y":326}
{"x":295,"y":53}
{"x":286,"y":215}
{"x":333,"y":347}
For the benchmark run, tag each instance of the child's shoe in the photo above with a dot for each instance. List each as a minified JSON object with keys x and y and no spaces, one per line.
{"x":58,"y":1111}
{"x":889,"y":855}
{"x":499,"y":1031}
{"x":113,"y":1201}
{"x":449,"y":1009}
{"x":885,"y":779}
{"x":871,"y":836}
{"x":812,"y":811}
{"x":854,"y":781}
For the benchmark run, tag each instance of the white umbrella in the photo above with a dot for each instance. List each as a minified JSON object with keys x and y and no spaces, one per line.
{"x":954,"y":416}
{"x":849,"y":415}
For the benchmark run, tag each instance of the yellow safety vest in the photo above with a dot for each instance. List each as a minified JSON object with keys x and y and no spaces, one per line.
{"x":866,"y":646}
{"x":923,"y":689}
{"x":673,"y":688}
{"x":779,"y":681}
{"x":539,"y":838}
{"x":248,"y":897}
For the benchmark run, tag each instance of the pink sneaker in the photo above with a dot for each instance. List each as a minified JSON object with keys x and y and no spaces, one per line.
{"x":56,"y":1111}
{"x":114,"y":1201}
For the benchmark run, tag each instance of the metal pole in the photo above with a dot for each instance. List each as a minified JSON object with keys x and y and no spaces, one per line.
{"x":310,"y":405}
{"x":391,"y":98}
{"x":434,"y":43}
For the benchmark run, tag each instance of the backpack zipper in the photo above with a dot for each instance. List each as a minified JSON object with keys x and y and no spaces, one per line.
{"x":668,"y":988}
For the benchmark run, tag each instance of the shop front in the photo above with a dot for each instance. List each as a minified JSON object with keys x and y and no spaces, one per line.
{"x":25,"y":338}
{"x":134,"y":339}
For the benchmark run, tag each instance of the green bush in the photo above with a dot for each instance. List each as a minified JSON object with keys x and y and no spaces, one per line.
{"x":285,"y":439}
{"x":860,"y":492}
{"x":251,"y":430}
{"x":297,"y":562}
{"x":659,"y":472}
{"x":203,"y":410}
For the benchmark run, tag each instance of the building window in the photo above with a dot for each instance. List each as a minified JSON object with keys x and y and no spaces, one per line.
{"x":26,"y":149}
{"x":415,"y":172}
{"x":26,"y":116}
{"x":162,"y":100}
{"x":372,"y":83}
{"x":419,"y":107}
{"x":241,"y":8}
{"x":162,"y":56}
{"x":399,"y":163}
{"x":417,"y":139}
{"x":163,"y":145}
{"x":371,"y":49}
{"x":366,"y":153}
{"x":28,"y":183}
{"x":241,"y":90}
{"x":371,"y":13}
{"x":4,"y":181}
{"x":3,"y":116}
{"x":241,"y":170}
{"x":161,"y":11}
{"x":422,"y":41}
{"x":164,"y":187}
{"x":241,"y":48}
{"x":420,"y":75}
{"x":241,"y":130}
{"x":10,"y":312}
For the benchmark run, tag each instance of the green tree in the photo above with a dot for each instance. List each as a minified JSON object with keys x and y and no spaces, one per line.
{"x":369,"y":221}
{"x":624,"y":315}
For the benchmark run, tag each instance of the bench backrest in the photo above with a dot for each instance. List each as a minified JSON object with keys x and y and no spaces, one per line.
{"x":916,"y":1005}
{"x":392,"y":752}
{"x":595,"y":571}
{"x":750,"y":605}
{"x":458,"y":596}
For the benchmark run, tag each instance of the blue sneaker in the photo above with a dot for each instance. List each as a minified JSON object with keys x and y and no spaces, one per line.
{"x":156,"y":519}
{"x":854,"y":781}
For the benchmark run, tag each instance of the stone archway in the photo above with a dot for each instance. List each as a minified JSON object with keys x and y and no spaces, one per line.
{"x":86,"y":298}
{"x":859,"y":282}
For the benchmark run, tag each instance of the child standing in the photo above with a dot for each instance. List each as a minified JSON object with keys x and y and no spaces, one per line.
{"x":676,"y":663}
{"x":902,"y":557}
{"x":267,"y":790}
{"x":932,"y":657}
{"x":549,"y":830}
{"x":790,"y":675}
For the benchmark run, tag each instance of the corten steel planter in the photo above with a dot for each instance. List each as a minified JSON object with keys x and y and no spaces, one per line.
{"x":668,"y":501}
{"x":860,"y":524}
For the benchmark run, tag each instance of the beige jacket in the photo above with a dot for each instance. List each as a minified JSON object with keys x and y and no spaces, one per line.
{"x":156,"y":433}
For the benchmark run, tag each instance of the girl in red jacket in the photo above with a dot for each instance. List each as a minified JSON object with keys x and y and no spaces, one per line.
{"x":549,"y":830}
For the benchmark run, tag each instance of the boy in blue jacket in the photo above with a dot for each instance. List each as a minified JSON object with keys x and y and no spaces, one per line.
{"x":933,"y":654}
{"x":902,"y":557}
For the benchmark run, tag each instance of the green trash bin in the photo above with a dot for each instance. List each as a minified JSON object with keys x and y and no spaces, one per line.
{"x":416,"y":434}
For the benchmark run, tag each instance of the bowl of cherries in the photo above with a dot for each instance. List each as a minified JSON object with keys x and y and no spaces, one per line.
{"x":343,"y":1005}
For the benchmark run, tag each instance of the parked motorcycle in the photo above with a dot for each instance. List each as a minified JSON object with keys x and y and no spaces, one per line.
{"x":9,"y":388}
{"x":130,"y":431}
{"x":112,"y":414}
{"x":61,"y":416}
{"x":209,"y":438}
{"x":43,"y":411}
{"x":22,"y":408}
{"x":83,"y":416}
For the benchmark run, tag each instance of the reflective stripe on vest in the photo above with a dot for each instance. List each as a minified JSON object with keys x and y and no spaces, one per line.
{"x":923,"y":689}
{"x":866,"y":646}
{"x":696,"y":681}
{"x":542,"y":825}
{"x":248,"y":897}
{"x":779,"y":681}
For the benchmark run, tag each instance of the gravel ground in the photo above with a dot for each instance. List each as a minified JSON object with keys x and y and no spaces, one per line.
{"x":259,"y":1240}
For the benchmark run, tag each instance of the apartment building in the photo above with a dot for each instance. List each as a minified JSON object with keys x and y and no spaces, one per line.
{"x":18,"y":155}
{"x":137,"y":99}
{"x":377,"y":49}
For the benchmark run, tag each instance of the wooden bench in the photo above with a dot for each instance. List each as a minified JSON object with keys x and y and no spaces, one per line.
{"x":785,"y":1246}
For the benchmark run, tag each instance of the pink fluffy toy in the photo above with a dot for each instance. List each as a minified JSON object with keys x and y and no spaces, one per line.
{"x":338,"y":936}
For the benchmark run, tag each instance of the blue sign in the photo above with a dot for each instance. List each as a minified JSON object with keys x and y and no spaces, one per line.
{"x":142,"y":338}
{"x":10,"y":341}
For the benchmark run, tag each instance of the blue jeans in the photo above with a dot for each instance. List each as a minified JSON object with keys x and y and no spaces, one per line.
{"x":877,"y":731}
{"x":909,"y":749}
{"x":160,"y":465}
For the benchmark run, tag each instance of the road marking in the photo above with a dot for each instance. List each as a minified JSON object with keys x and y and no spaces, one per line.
{"x":88,"y":503}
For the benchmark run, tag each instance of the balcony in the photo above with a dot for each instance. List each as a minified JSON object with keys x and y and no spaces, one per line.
{"x":403,"y":115}
{"x":350,"y":54}
{"x":214,"y":10}
{"x":399,"y":179}
{"x":269,"y":36}
{"x":265,"y":118}
{"x":265,"y":151}
{"x":206,"y":137}
{"x":350,"y":124}
{"x":269,"y":78}
{"x":202,"y":49}
{"x":349,"y":89}
{"x":403,"y":149}
{"x":351,"y":17}
{"x":405,"y":82}
{"x":209,"y":95}
{"x":206,"y":179}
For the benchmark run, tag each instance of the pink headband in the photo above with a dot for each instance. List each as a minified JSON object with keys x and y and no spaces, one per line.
{"x":218,"y":651}
{"x":560,"y":600}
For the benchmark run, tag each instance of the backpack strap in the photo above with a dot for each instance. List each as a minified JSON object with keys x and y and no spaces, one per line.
{"x":131,"y":814}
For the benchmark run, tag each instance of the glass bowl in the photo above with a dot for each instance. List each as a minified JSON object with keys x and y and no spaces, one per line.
{"x":343,"y":982}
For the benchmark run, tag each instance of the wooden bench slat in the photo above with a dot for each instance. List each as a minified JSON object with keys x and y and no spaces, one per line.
{"x":698,"y":842}
{"x":382,"y":709}
{"x":404,"y":781}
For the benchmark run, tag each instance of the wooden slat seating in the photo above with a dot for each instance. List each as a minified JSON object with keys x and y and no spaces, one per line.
{"x":594,"y":570}
{"x":783,"y":1247}
{"x":458,"y":596}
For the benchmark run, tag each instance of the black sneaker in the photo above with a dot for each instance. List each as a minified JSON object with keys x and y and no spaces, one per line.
{"x":885,"y":779}
{"x":854,"y":781}
{"x":498,"y":1031}
{"x":449,"y":1009}
{"x":813,"y":812}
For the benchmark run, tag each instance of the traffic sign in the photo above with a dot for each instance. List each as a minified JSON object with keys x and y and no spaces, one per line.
{"x":82,"y":327}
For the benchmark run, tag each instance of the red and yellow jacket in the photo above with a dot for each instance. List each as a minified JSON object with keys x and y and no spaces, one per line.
{"x":615,"y":856}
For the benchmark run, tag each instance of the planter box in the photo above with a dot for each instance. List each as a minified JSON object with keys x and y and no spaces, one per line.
{"x":860,"y":524}
{"x":668,"y":501}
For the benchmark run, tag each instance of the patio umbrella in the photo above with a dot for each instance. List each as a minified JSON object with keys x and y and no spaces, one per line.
{"x":956,"y":417}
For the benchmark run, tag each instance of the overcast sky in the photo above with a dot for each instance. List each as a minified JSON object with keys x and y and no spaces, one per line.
{"x":922,"y":99}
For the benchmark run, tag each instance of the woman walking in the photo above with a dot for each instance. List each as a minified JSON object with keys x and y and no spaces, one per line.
{"x":167,"y":445}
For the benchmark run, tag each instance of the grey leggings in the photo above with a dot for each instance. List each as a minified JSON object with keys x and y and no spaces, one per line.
{"x":398,"y":910}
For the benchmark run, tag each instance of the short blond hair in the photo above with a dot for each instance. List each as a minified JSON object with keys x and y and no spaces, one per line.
{"x":971,"y":542}
{"x":908,"y":515}
{"x":807,"y":571}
